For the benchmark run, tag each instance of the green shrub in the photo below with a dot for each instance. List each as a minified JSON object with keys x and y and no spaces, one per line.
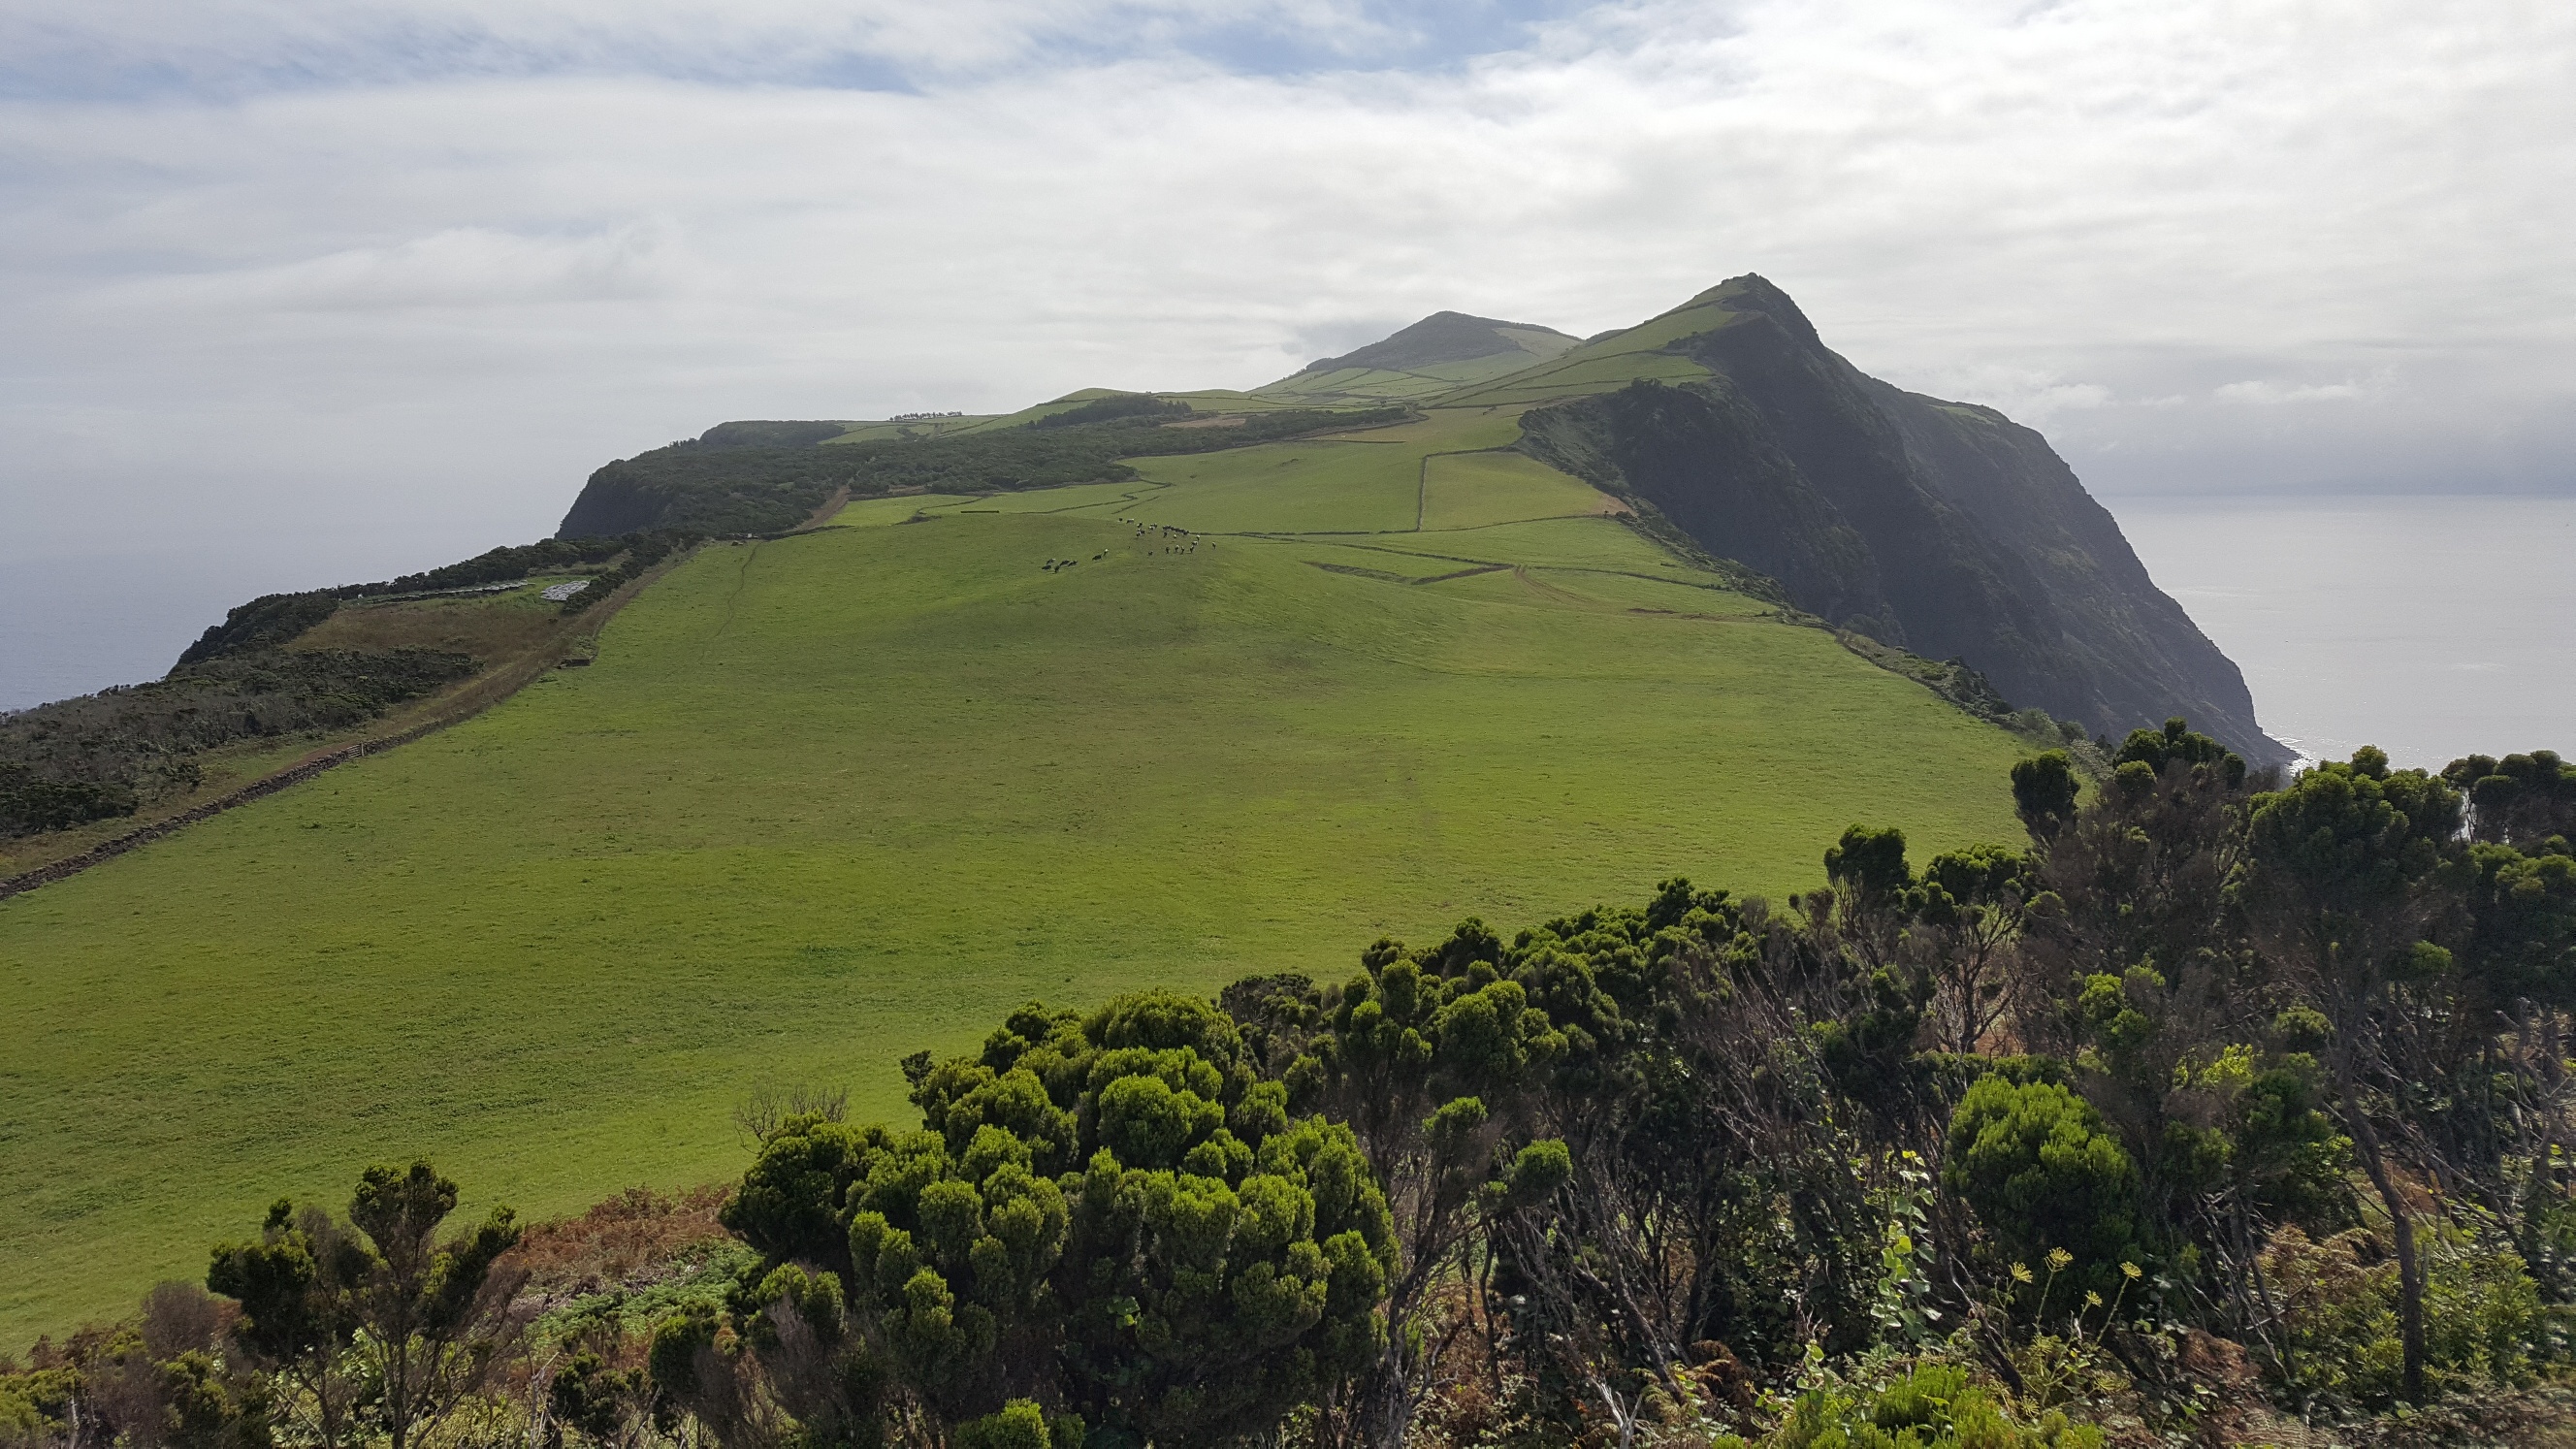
{"x":2483,"y":1320}
{"x":1933,"y":1407}
{"x":1020,"y":1425}
{"x":2034,"y":1163}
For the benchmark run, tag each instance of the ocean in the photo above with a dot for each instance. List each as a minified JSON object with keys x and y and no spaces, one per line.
{"x":2432,"y":627}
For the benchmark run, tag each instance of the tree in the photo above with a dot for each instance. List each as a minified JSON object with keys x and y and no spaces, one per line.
{"x":1104,"y":1218}
{"x":1699,"y":1193}
{"x":1968,"y":912}
{"x":433,"y":1316}
{"x":2520,"y":800}
{"x":297,"y":1318}
{"x":2178,"y":744}
{"x":2044,"y":791}
{"x":1427,"y":1054}
{"x":2133,"y":969}
{"x":2341,"y":870}
{"x":420,"y":1320}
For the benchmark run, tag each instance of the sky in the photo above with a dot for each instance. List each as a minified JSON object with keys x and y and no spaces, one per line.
{"x":295,"y":292}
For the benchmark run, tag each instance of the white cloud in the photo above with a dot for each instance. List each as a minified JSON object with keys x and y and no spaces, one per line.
{"x":458,"y":268}
{"x":2029,"y":396}
{"x":253,"y":42}
{"x":2272,"y":394}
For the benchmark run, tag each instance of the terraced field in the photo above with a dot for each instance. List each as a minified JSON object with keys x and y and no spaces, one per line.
{"x":828,"y":799}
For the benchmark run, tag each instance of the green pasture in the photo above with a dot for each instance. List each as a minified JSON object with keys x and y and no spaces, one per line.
{"x":1205,"y":400}
{"x":1606,"y":364}
{"x":868,"y":512}
{"x":1468,"y":490}
{"x":829,"y":799}
{"x":920,"y":428}
{"x":1308,"y":486}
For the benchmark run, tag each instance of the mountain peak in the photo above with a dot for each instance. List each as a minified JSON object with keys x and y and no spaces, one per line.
{"x":1448,"y":337}
{"x":1756,"y":293}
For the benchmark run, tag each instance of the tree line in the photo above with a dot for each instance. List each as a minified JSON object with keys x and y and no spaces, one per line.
{"x":2219,"y":1095}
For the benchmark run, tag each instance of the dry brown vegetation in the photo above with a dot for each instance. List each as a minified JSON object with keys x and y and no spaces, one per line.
{"x":634,"y":1236}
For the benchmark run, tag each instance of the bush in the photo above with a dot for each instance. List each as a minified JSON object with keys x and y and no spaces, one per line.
{"x":1125,"y":405}
{"x":761,"y":489}
{"x":1933,"y":1407}
{"x":29,"y":804}
{"x":1020,"y":1425}
{"x":1076,"y":1219}
{"x":106,"y":754}
{"x":2033,"y":1161}
{"x":2483,"y":1320}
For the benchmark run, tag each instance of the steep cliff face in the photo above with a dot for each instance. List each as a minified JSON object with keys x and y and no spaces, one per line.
{"x":1943,"y":527}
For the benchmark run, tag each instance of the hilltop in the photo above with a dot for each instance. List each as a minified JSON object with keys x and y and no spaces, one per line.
{"x":1436,"y":355}
{"x":1930,"y":528}
{"x":1939,"y":527}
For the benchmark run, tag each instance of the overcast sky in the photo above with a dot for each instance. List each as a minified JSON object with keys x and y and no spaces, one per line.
{"x":298,"y":291}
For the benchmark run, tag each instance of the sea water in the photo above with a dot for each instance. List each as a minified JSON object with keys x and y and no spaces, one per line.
{"x":2432,"y":627}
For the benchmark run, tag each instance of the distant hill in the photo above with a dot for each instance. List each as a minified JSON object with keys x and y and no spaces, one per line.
{"x":1435,"y":355}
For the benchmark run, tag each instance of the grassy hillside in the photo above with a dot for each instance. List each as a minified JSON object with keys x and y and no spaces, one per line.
{"x":828,"y":799}
{"x":1437,"y":355}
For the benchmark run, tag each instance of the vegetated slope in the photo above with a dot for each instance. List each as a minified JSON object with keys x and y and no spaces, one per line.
{"x":284,"y":672}
{"x":1433,"y":356}
{"x":751,"y":478}
{"x":1941,"y":527}
{"x":851,"y":793}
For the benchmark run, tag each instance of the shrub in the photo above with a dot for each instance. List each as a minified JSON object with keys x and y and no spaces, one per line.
{"x":2033,"y":1161}
{"x":1933,"y":1407}
{"x":2483,"y":1320}
{"x":1077,"y":1221}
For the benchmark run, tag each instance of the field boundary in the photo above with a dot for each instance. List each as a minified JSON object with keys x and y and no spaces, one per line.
{"x":473,"y":698}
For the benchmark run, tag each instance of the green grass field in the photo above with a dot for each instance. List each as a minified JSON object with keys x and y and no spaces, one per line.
{"x":829,"y":799}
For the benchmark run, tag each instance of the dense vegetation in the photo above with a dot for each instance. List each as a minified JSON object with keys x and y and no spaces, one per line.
{"x":1117,"y":405}
{"x":768,"y":486}
{"x":2217,"y":1098}
{"x":108,"y":754}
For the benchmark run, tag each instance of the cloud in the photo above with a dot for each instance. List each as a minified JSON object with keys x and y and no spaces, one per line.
{"x":457,"y":268}
{"x":236,"y":45}
{"x":2274,"y":394}
{"x":2029,"y":396}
